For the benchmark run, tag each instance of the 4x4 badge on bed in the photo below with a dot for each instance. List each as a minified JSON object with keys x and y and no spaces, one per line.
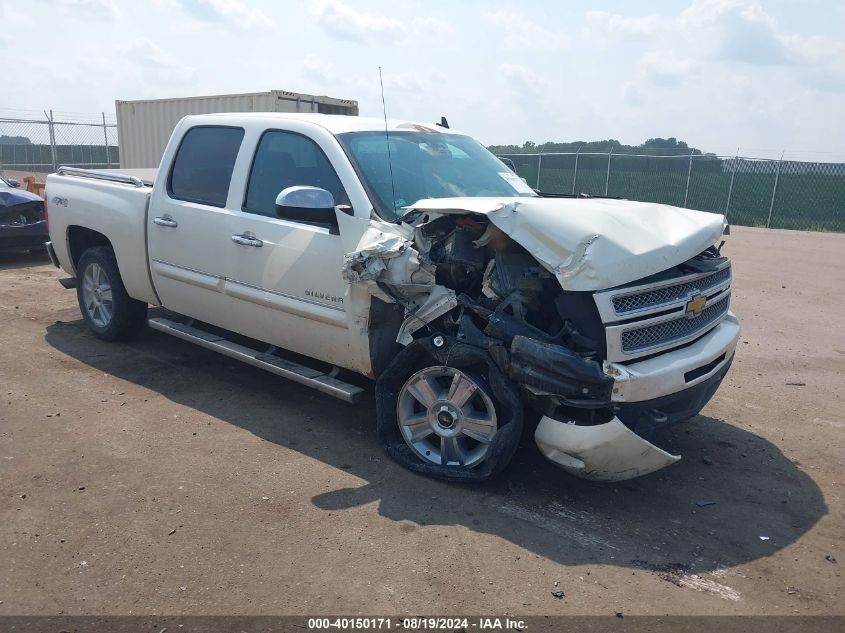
{"x":695,"y":305}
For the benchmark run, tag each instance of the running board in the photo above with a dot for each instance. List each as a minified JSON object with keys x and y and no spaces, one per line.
{"x":307,"y":376}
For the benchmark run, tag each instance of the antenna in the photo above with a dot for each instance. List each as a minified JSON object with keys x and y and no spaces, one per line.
{"x":387,"y":137}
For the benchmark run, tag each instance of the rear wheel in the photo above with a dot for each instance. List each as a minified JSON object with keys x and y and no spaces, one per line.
{"x":108,"y":311}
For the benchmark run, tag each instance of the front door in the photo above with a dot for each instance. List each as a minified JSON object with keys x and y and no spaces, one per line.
{"x":285,"y":273}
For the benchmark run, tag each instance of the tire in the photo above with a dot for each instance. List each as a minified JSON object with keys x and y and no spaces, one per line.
{"x":448,"y":412}
{"x":110,"y":313}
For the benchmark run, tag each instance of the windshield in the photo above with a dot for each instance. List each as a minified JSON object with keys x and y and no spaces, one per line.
{"x":427,"y":165}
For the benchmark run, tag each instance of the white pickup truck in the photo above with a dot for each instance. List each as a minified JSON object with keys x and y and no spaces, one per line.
{"x":316,"y":245}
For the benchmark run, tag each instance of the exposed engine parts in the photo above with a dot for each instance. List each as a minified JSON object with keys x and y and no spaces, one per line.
{"x":462,"y":281}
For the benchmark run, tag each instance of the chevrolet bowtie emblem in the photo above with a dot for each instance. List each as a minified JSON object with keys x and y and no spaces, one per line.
{"x":695,"y":305}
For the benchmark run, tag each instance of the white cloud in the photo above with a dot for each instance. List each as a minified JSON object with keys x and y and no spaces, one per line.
{"x":611,"y":23}
{"x":344,"y":22}
{"x":523,"y":79}
{"x":664,"y":69}
{"x":432,"y":25}
{"x":412,"y":83}
{"x":521,"y":32}
{"x":702,"y":12}
{"x":102,"y":10}
{"x":317,"y":70}
{"x":753,"y":73}
{"x":632,"y":95}
{"x":146,"y":53}
{"x":725,"y":31}
{"x":152,"y":63}
{"x":232,"y":12}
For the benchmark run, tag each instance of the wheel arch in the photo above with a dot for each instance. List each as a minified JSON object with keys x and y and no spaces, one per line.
{"x":80,"y":239}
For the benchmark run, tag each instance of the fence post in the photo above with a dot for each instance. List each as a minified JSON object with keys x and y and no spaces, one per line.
{"x":539,"y":167}
{"x":731,"y":186}
{"x":106,"y":140}
{"x":575,"y":173}
{"x":52,"y":132}
{"x":689,"y":173}
{"x":607,"y":178}
{"x":774,"y":191}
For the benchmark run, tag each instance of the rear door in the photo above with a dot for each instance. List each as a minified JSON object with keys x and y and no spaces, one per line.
{"x":188,"y":230}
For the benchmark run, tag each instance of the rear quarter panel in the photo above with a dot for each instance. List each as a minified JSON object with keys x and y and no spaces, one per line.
{"x":115,"y":210}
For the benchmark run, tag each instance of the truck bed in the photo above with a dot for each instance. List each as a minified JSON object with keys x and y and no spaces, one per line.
{"x":112,"y":203}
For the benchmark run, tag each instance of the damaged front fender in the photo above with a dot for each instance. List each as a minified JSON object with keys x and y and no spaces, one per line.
{"x":604,"y":452}
{"x":381,"y":258}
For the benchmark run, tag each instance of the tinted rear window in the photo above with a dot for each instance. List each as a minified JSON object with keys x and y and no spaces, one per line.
{"x":204,"y":163}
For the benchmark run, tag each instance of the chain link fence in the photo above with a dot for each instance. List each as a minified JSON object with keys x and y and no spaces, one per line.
{"x":749,"y":191}
{"x":38,"y":145}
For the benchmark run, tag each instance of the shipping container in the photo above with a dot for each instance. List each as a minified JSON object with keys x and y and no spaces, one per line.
{"x":144,"y":127}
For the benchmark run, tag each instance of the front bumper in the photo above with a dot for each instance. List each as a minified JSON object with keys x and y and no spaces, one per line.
{"x":645,"y":417}
{"x":677,"y":370}
{"x":679,"y":384}
{"x":604,"y":452}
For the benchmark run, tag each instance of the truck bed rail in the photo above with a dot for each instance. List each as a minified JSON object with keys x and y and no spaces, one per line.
{"x":102,"y":175}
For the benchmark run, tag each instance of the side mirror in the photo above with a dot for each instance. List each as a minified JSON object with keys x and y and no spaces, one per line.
{"x":14,"y":183}
{"x":303,"y":197}
{"x":306,"y":204}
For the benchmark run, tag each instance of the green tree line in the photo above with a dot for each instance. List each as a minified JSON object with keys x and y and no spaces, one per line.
{"x":655,"y":146}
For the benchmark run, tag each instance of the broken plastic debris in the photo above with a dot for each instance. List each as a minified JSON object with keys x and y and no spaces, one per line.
{"x":604,"y":452}
{"x":438,"y":303}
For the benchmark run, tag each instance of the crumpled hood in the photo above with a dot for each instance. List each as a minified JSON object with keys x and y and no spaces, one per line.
{"x":592,"y":244}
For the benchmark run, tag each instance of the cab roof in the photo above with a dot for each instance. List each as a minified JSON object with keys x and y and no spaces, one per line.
{"x":336,"y":123}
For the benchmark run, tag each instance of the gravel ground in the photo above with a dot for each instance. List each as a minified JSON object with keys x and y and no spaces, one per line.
{"x":159,"y":478}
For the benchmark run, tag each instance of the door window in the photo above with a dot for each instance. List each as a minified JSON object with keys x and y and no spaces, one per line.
{"x":202,"y":169}
{"x":287,"y":159}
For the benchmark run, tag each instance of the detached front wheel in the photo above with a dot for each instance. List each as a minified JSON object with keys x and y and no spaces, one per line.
{"x":108,"y":311}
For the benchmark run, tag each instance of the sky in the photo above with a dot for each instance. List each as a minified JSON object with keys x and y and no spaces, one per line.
{"x":757,"y":77}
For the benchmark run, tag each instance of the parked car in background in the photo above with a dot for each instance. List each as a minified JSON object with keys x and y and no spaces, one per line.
{"x":23,"y":219}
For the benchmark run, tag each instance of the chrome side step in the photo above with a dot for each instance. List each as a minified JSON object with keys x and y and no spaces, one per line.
{"x":307,"y":376}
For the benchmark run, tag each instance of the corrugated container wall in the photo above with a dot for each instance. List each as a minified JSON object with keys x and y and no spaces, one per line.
{"x":144,"y":127}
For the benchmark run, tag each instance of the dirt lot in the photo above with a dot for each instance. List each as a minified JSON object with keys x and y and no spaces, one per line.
{"x":156,"y":477}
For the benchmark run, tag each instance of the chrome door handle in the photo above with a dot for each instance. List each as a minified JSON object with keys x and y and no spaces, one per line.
{"x":166,"y":220}
{"x":247,"y":240}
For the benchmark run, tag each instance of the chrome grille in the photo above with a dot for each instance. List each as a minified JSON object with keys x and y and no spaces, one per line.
{"x":661,"y":334}
{"x":624,"y":304}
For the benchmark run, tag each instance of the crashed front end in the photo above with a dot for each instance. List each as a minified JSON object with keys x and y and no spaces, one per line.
{"x":611,"y":318}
